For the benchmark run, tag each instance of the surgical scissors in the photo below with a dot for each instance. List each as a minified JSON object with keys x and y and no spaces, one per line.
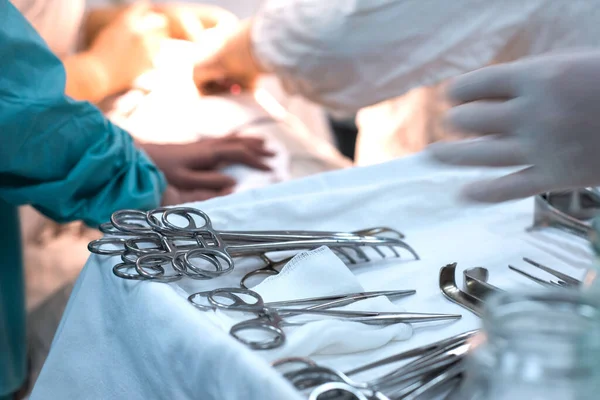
{"x":270,"y":320}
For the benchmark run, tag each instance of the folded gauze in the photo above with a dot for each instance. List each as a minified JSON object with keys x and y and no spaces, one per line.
{"x":320,"y":273}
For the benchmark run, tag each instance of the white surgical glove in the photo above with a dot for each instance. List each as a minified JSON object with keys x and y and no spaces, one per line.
{"x":541,"y":113}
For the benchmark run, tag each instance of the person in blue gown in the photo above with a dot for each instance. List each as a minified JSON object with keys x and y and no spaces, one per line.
{"x":59,"y":155}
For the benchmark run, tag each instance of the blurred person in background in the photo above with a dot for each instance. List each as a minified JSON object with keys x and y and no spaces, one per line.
{"x":389,"y":59}
{"x":106,"y":49}
{"x":62,"y":157}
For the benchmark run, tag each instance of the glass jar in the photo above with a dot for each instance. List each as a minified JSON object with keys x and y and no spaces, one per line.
{"x":591,"y":282}
{"x":536,"y":346}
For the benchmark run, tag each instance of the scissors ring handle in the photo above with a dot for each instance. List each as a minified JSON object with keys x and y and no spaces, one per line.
{"x":150,"y":261}
{"x":130,"y":221}
{"x":239,"y":304}
{"x":337,"y":388}
{"x":220,"y":260}
{"x":268,"y":271}
{"x":275,"y":336}
{"x":119,"y":270}
{"x":96,"y":246}
{"x":158,"y":226}
{"x":188,"y":213}
{"x":179,"y":265}
{"x":196,"y":272}
{"x":131,"y":245}
{"x":109,"y":229}
{"x":203,"y":307}
{"x":129,"y":258}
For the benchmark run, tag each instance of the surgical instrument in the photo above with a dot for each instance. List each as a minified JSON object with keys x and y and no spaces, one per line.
{"x":449,"y":288}
{"x":270,"y":320}
{"x":431,"y":361}
{"x":564,"y":280}
{"x":273,"y":267}
{"x":476,"y":283}
{"x":160,"y":220}
{"x":547,"y":214}
{"x":152,"y":239}
{"x":582,"y":204}
{"x":322,"y":302}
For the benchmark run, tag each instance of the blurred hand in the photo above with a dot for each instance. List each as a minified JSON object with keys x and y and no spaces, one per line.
{"x":541,"y":113}
{"x":127,"y":47}
{"x":193,"y":168}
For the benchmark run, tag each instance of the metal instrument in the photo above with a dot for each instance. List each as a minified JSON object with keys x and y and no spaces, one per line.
{"x":567,"y":211}
{"x":452,"y":292}
{"x":270,"y":320}
{"x":320,"y":303}
{"x":433,"y":366}
{"x":564,"y":280}
{"x":273,"y":267}
{"x":476,"y":283}
{"x":185,"y":239}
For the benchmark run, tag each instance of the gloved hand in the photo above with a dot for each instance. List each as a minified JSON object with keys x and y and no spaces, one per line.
{"x":233,"y":62}
{"x":193,"y":169}
{"x":125,"y":49}
{"x":541,"y":113}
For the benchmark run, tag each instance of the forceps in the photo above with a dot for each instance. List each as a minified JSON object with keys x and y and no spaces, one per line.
{"x":270,"y":320}
{"x":185,"y":246}
{"x":430,"y":361}
{"x":564,"y":280}
{"x":134,"y":222}
{"x":272,"y":267}
{"x":322,"y":302}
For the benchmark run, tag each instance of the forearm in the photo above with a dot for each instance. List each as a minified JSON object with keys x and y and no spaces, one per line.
{"x":98,"y":19}
{"x":86,"y":78}
{"x":62,"y":156}
{"x":237,"y":55}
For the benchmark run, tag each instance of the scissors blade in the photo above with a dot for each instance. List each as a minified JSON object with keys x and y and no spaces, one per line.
{"x":570,"y":281}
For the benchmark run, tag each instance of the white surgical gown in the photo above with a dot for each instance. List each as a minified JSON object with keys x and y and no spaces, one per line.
{"x":350,"y":54}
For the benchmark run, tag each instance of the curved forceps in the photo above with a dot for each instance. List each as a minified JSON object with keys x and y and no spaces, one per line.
{"x":270,"y":319}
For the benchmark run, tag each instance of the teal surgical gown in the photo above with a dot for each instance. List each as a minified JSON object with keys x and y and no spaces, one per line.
{"x":61,"y":156}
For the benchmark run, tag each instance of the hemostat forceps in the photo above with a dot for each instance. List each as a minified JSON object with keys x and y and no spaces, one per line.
{"x":270,"y":320}
{"x":319,"y":303}
{"x":429,"y":363}
{"x":196,"y":250}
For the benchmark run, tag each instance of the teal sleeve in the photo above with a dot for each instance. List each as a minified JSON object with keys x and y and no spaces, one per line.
{"x":59,"y":155}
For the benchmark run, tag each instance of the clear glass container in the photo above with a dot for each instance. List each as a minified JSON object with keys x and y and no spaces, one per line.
{"x":536,"y":346}
{"x":591,"y":282}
